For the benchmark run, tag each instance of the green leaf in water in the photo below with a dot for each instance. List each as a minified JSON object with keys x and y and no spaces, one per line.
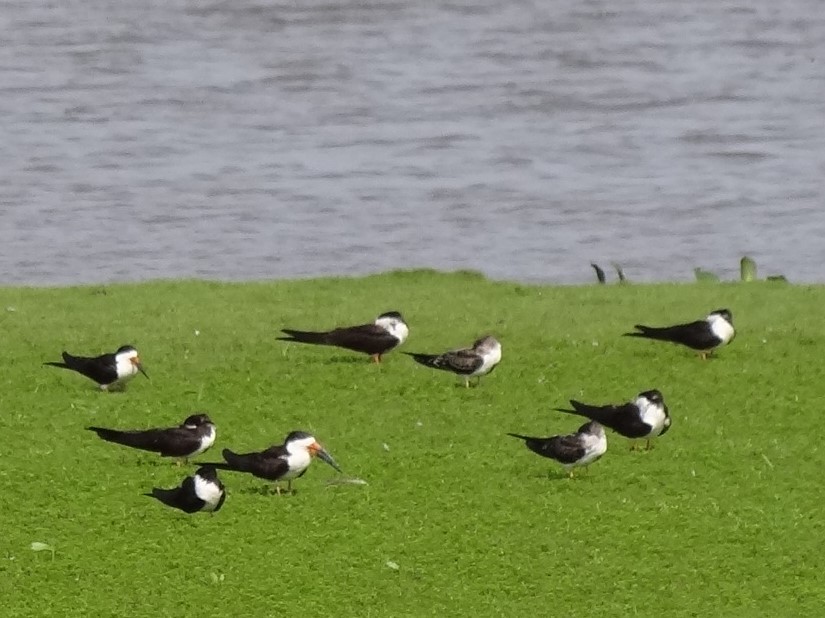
{"x":38,"y":546}
{"x":747,"y":269}
{"x":705,"y":276}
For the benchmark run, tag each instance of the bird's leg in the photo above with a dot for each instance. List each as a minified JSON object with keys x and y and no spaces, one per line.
{"x":466,"y":382}
{"x":703,"y":355}
{"x":289,"y":489}
{"x":376,"y":358}
{"x":649,"y":445}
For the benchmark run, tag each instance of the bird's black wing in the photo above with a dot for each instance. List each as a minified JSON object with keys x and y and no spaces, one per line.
{"x":183,"y":498}
{"x":171,"y":442}
{"x":269,"y":464}
{"x":623,"y":418}
{"x":101,"y":369}
{"x":697,"y":335}
{"x":367,"y":338}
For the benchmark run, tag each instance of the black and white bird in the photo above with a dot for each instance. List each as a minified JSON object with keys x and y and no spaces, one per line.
{"x":704,"y":336}
{"x":473,"y":362}
{"x":581,"y":448}
{"x":645,"y":417}
{"x":108,"y":370}
{"x":387,"y":332}
{"x":282,"y":462}
{"x":191,"y":438}
{"x":202,"y":492}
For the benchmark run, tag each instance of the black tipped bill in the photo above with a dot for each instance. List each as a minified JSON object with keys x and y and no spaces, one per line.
{"x":328,"y":459}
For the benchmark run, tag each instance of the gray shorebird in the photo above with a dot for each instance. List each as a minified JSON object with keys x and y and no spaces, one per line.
{"x":581,"y":448}
{"x":473,"y":362}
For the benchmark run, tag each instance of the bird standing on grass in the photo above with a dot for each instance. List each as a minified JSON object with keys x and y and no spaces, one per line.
{"x":387,"y":332}
{"x":202,"y":491}
{"x":645,"y":417}
{"x":282,"y":462}
{"x":192,"y":437}
{"x":108,"y":370}
{"x":472,"y":362}
{"x":704,"y":336}
{"x":581,"y":448}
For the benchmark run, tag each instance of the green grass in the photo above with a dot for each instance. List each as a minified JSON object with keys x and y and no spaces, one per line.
{"x":722,"y":518}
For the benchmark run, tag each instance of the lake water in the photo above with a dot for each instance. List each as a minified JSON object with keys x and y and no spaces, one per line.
{"x":246,"y":139}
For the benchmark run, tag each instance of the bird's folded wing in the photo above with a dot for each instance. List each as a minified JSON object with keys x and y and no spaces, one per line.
{"x":461,"y":361}
{"x":361,"y":336}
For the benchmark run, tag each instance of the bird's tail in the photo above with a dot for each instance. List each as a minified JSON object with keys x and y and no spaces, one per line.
{"x":234,"y":461}
{"x":303,"y":336}
{"x":648,"y":332}
{"x":579,"y":409}
{"x":520,"y":437}
{"x":127,"y":438}
{"x":53,"y":364}
{"x":166,"y":496}
{"x":428,"y":360}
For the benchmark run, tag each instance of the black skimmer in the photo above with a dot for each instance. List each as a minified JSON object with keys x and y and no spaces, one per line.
{"x":704,"y":336}
{"x":387,"y":332}
{"x":282,"y":462}
{"x":201,"y":492}
{"x":581,"y":448}
{"x":475,"y":361}
{"x":194,"y":436}
{"x":645,"y":417}
{"x":108,"y":370}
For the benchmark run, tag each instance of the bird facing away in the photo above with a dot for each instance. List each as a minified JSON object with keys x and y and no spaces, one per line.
{"x":581,"y":448}
{"x":475,"y":361}
{"x":192,"y":437}
{"x":645,"y":417}
{"x":282,"y":462}
{"x":108,"y":370}
{"x":704,"y":336}
{"x":201,"y":492}
{"x":387,"y":332}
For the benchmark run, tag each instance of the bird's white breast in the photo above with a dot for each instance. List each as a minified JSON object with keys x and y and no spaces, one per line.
{"x":298,"y":462}
{"x":489,"y":360}
{"x":721,"y":328}
{"x":652,"y":414}
{"x":125,"y":368}
{"x":206,"y":441}
{"x":209,"y":492}
{"x":594,"y":447}
{"x":394,"y":327}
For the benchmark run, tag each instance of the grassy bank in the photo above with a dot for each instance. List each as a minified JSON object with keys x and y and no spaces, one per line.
{"x":722,"y":517}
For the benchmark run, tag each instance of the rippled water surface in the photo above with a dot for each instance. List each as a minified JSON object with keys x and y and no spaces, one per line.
{"x":246,"y":140}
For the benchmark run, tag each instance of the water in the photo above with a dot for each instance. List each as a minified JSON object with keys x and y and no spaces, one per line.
{"x":248,"y":140}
